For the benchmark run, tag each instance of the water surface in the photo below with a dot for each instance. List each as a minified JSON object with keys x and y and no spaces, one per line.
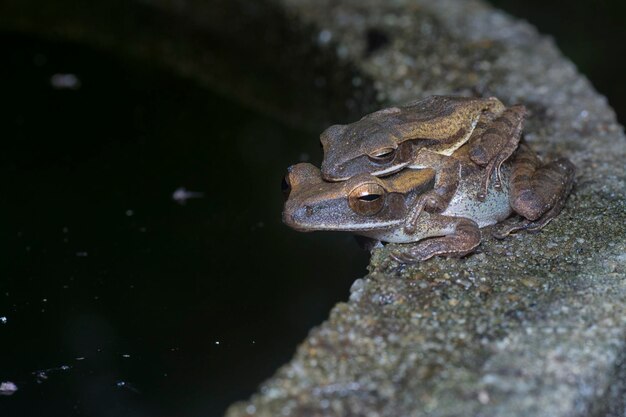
{"x":118,"y":300}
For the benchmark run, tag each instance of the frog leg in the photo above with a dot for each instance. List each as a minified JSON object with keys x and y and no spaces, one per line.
{"x":459,"y":236}
{"x":537,"y":192}
{"x":484,"y":122}
{"x":448,"y":173}
{"x":496,"y":143}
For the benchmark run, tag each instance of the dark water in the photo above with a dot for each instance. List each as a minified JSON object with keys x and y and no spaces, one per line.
{"x":119,"y":301}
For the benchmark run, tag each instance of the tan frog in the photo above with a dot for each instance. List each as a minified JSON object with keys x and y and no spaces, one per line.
{"x":425,"y":134}
{"x":379,"y":208}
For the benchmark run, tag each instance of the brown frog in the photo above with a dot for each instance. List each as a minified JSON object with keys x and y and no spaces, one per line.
{"x":425,"y":134}
{"x":378,"y":208}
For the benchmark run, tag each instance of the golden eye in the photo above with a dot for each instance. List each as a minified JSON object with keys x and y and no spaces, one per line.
{"x":383,"y":155}
{"x":367,"y":199}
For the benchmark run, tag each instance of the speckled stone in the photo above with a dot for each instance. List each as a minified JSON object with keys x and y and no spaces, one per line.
{"x":533,"y":325}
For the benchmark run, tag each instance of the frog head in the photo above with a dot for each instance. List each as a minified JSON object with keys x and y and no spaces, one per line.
{"x":362,"y":204}
{"x":386,"y":141}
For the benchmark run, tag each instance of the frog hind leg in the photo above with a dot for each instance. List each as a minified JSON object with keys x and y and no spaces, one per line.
{"x":495,"y":143}
{"x":447,"y":177}
{"x":537,"y":192}
{"x":460,"y":237}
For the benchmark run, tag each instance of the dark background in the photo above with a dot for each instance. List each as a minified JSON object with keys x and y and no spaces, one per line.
{"x":120,"y":302}
{"x":591,"y":33}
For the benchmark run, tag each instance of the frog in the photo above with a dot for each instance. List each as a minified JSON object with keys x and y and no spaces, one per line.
{"x":425,"y":134}
{"x":378,"y":207}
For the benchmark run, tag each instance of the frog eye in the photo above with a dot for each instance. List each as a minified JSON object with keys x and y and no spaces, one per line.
{"x":367,"y":199}
{"x":383,"y":155}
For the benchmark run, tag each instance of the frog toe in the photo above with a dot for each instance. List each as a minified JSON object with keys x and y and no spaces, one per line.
{"x":403,"y":257}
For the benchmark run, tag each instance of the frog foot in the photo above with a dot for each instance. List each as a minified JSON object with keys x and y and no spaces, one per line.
{"x":516,"y":224}
{"x":510,"y":226}
{"x":464,"y":240}
{"x":430,"y":202}
{"x":496,"y":145}
{"x":540,"y":191}
{"x":494,"y":168}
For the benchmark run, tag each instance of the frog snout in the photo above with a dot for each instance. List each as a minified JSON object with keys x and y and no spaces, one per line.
{"x":305,"y":212}
{"x":333,"y":172}
{"x":298,"y":218}
{"x":302,"y":214}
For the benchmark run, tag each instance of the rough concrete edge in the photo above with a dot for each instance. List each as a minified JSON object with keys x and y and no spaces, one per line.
{"x":482,"y":15}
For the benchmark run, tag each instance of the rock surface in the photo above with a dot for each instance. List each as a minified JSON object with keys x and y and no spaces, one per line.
{"x":534,"y":325}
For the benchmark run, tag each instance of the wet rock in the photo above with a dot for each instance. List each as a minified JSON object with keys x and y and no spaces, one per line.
{"x":532,"y":325}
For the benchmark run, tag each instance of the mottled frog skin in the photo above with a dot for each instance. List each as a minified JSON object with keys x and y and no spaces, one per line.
{"x":389,"y":140}
{"x":425,"y":134}
{"x":378,"y":208}
{"x":434,"y":171}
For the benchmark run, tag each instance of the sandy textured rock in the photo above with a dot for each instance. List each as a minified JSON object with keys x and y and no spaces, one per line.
{"x":532,"y":325}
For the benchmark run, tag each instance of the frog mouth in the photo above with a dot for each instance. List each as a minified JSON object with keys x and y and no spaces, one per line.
{"x":302,"y":226}
{"x":382,"y":172}
{"x":390,"y":170}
